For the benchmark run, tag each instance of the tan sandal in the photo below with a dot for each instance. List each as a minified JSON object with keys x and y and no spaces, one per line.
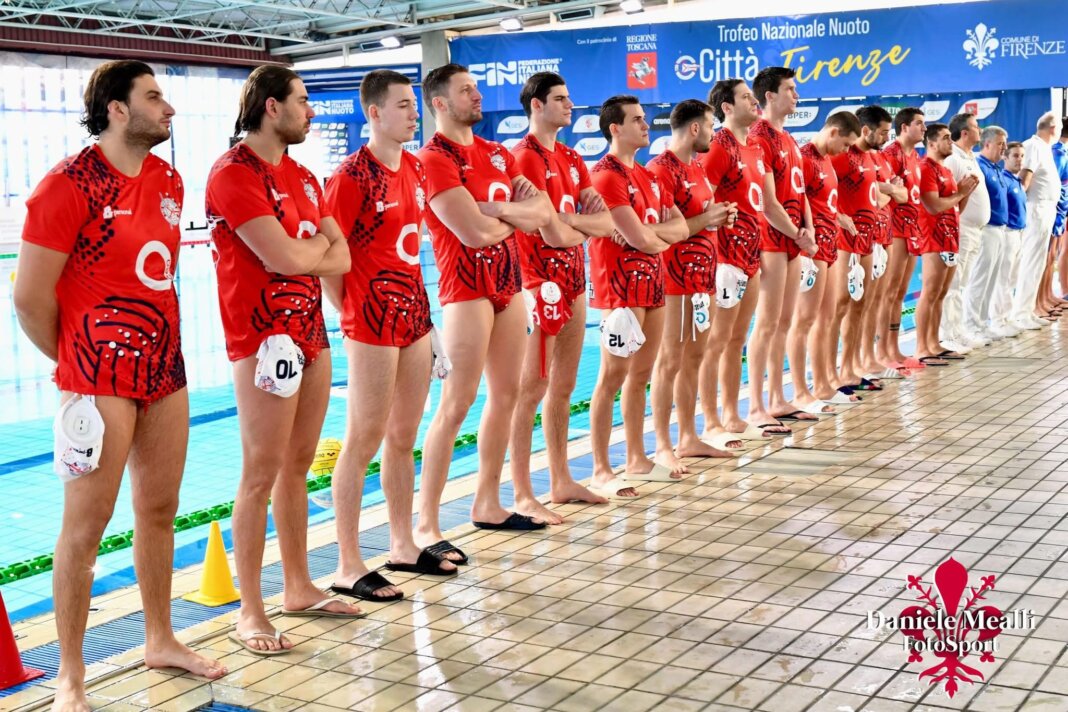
{"x":243,"y":640}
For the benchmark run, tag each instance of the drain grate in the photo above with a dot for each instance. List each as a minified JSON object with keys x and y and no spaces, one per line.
{"x":1005,"y":363}
{"x":804,"y":461}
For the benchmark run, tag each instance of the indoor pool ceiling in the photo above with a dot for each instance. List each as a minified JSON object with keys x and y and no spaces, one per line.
{"x":290,"y":29}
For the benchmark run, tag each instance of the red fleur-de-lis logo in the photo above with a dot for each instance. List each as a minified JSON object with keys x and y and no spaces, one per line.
{"x":955,"y":625}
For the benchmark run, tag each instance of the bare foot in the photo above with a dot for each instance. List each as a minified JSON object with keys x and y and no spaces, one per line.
{"x":309,"y":596}
{"x":601,"y":478}
{"x":768,"y":424}
{"x":847,"y":378}
{"x":70,"y":696}
{"x":731,"y":444}
{"x":696,"y":448}
{"x":933,"y":360}
{"x":173,"y":654}
{"x":536,"y":510}
{"x":871,"y":367}
{"x":406,"y":554}
{"x":429,"y":537}
{"x":842,"y":383}
{"x":494,"y":514}
{"x":259,"y":624}
{"x":639,"y":463}
{"x":573,"y":492}
{"x":791,"y":409}
{"x":804,"y":400}
{"x":734,"y":425}
{"x":666,"y":458}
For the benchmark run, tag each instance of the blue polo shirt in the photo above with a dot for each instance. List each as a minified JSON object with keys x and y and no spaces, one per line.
{"x":996,"y":189}
{"x":1060,"y":159}
{"x":1017,"y":199}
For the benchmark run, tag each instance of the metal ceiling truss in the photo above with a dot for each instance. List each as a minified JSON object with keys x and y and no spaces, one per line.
{"x":286,"y":28}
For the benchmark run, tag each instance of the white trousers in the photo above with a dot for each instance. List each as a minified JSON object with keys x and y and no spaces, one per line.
{"x":1005,"y":278}
{"x":953,"y":317}
{"x":980,"y":287}
{"x":1033,"y":249}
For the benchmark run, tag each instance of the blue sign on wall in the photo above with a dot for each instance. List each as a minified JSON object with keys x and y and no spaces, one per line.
{"x":1001,"y":44}
{"x":1014,"y":111}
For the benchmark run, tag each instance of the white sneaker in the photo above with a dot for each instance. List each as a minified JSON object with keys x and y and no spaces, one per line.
{"x":976,"y":339}
{"x":1003,"y":331}
{"x":958,"y":346}
{"x":1026,"y":325}
{"x":988,"y":334}
{"x":1041,"y":322}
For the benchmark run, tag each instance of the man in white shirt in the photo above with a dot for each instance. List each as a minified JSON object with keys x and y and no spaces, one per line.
{"x":958,"y":329}
{"x":1042,"y":182}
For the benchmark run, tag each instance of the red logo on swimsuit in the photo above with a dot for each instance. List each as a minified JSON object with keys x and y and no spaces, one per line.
{"x":953,"y":626}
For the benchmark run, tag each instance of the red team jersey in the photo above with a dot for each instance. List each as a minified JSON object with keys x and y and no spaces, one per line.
{"x":821,"y":187}
{"x":737,"y":172}
{"x":562,"y":174}
{"x":858,"y":198}
{"x":941,"y":233}
{"x":689,"y":266}
{"x":255,"y":302}
{"x":485,"y":169}
{"x":380,"y":213}
{"x":118,"y":311}
{"x":621,"y":276}
{"x":885,"y":215}
{"x":783,"y":158}
{"x":906,"y":216}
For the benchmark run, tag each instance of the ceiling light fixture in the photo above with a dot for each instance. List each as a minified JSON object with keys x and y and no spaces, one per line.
{"x":511,"y":24}
{"x":392,"y":42}
{"x":631,"y":6}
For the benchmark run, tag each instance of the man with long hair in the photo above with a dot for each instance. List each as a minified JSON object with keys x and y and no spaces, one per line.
{"x":274,"y":238}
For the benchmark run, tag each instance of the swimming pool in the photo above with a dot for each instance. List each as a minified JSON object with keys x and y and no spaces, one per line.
{"x":31,"y":496}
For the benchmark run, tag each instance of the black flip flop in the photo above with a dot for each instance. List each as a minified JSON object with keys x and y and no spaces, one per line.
{"x":514,"y":522}
{"x":793,"y":415}
{"x":427,"y":563}
{"x":444,"y":547}
{"x":365,"y":587}
{"x":767,"y":428}
{"x":930,"y":361}
{"x":950,"y":356}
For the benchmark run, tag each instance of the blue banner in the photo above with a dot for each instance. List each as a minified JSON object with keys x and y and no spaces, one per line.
{"x":1001,"y":44}
{"x":340,"y":127}
{"x":1014,"y":111}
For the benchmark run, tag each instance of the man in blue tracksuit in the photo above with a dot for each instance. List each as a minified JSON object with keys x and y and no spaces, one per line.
{"x":1009,"y":262}
{"x":1060,"y":242}
{"x":980,"y":289}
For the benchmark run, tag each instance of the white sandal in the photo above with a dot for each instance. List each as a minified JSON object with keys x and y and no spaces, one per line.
{"x":721,"y":441}
{"x":243,"y":640}
{"x":318,"y":610}
{"x":817,"y":408}
{"x":611,"y":489}
{"x":659,"y":473}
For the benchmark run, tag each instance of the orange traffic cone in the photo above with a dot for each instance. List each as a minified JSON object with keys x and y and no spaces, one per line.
{"x":12,"y":671}
{"x":216,"y":583}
